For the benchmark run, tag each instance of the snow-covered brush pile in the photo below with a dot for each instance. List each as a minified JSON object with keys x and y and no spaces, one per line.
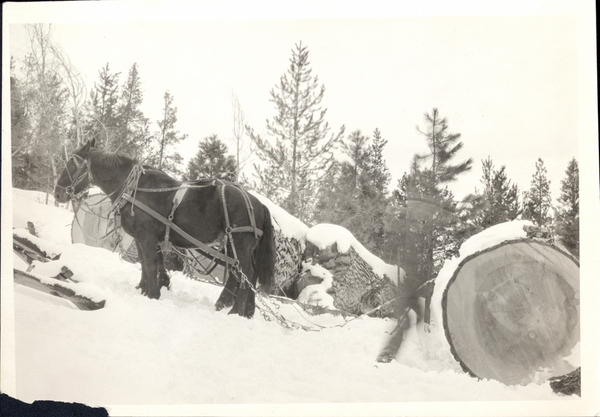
{"x":179,"y":350}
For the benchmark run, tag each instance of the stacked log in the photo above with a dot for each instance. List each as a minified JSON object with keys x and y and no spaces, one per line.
{"x":288,"y":264}
{"x":356,"y":288}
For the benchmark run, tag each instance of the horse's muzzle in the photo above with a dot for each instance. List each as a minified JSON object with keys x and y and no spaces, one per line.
{"x":60,"y":195}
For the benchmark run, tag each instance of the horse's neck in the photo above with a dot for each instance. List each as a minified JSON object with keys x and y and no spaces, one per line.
{"x":111,"y":179}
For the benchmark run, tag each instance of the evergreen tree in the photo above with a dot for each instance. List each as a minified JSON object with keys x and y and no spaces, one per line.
{"x":162,"y":154}
{"x":426,"y":215}
{"x":103,"y":123}
{"x":301,"y":150}
{"x":375,"y":165}
{"x":354,"y":193}
{"x":133,"y":126}
{"x":211,"y":161}
{"x":537,"y":202}
{"x":443,"y":146}
{"x":501,"y":198}
{"x":567,"y":213}
{"x":355,"y":149}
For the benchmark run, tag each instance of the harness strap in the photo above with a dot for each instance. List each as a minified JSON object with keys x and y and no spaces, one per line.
{"x":202,"y":246}
{"x":166,"y":246}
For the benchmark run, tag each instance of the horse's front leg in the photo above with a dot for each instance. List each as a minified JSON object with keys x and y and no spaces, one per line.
{"x":148,"y":246}
{"x":163,"y":278}
{"x":143,"y":285}
{"x":227,"y":296}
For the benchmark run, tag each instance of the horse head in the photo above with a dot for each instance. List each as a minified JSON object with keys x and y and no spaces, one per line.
{"x":76,"y":177}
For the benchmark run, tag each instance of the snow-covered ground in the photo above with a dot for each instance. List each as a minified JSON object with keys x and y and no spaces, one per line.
{"x":179,"y":350}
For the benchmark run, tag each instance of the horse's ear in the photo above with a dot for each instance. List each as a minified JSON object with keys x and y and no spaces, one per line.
{"x":85,"y":149}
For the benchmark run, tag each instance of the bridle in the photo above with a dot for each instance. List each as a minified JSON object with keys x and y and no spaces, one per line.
{"x":82,"y":171}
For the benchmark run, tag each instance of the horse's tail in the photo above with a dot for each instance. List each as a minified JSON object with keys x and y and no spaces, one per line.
{"x":265,"y":254}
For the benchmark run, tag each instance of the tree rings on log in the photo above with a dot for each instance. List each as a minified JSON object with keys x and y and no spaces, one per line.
{"x":511,"y":312}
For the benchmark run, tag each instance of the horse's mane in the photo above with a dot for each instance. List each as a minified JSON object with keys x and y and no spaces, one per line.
{"x":109,"y":159}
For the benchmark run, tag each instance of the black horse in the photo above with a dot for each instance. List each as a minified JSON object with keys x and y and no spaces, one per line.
{"x":201,"y":214}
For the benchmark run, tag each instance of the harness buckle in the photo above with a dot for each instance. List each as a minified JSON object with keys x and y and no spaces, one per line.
{"x":118,"y":219}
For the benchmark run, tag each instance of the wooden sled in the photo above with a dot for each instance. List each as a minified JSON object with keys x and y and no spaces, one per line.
{"x":58,"y":286}
{"x":57,"y":289}
{"x":511,"y":312}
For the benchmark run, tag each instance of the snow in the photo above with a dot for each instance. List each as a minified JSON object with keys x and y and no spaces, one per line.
{"x":179,"y":350}
{"x":316,"y":294}
{"x":290,"y":226}
{"x":324,"y":235}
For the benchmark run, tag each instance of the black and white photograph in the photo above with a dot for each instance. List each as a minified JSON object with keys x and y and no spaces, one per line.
{"x":309,"y":208}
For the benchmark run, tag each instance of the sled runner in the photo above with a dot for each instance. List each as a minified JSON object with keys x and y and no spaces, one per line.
{"x":59,"y":286}
{"x":31,"y":248}
{"x":28,"y":248}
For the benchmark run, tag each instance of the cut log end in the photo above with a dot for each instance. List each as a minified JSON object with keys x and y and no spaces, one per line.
{"x":511,"y":312}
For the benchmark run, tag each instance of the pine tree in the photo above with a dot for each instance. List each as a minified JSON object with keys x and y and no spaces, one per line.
{"x":537,"y":202}
{"x":375,"y":165}
{"x":354,"y":192}
{"x":301,"y":150}
{"x":133,"y":126}
{"x":426,"y":214}
{"x":501,"y":198}
{"x":443,"y":146}
{"x":211,"y":161}
{"x":567,"y":213}
{"x":162,"y":154}
{"x":103,"y":124}
{"x":354,"y":148}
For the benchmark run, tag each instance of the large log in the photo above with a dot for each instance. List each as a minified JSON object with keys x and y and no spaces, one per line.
{"x":511,"y":312}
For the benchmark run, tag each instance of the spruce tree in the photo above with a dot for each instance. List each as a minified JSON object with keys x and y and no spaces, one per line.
{"x":567,"y":213}
{"x":537,"y":202}
{"x":211,"y":161}
{"x":300,"y":149}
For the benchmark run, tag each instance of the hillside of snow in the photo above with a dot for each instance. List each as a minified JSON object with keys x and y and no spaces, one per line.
{"x":179,"y":350}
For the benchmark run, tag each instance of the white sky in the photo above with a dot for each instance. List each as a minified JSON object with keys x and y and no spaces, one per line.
{"x":507,"y":83}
